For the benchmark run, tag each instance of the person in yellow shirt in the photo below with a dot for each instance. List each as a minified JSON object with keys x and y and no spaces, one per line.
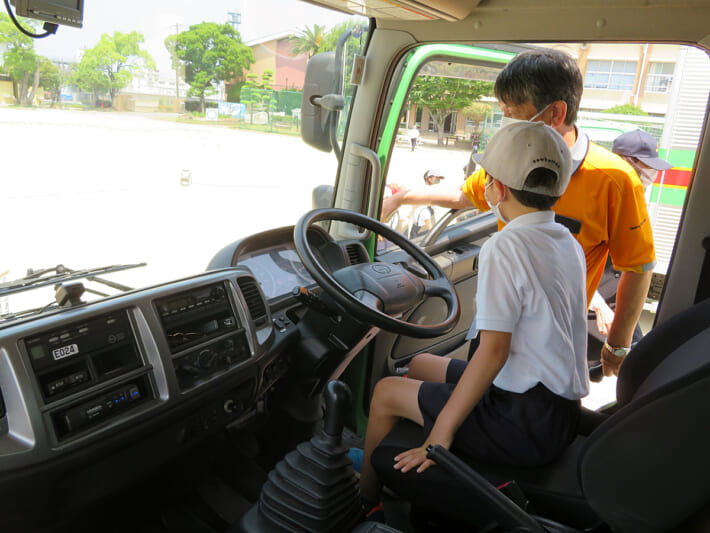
{"x":603,"y":206}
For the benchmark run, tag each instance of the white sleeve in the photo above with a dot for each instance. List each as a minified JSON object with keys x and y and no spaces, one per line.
{"x":498,"y":298}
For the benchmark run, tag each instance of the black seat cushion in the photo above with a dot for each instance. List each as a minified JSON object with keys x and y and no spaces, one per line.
{"x":553,"y":489}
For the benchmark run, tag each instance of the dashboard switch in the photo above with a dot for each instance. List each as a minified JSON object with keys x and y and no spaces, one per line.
{"x":309,"y":299}
{"x":134,"y":393}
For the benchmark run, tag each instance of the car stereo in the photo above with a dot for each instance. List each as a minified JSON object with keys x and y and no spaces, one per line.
{"x":193,"y":317}
{"x":203,"y":332}
{"x":82,"y":354}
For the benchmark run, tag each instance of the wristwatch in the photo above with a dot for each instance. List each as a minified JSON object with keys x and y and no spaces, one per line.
{"x":619,"y":351}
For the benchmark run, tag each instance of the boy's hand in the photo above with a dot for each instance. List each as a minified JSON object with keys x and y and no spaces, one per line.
{"x":605,"y":315}
{"x":416,"y":457}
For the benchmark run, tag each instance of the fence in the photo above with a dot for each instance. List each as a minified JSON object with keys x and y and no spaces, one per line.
{"x":271,"y":111}
{"x":278,"y":111}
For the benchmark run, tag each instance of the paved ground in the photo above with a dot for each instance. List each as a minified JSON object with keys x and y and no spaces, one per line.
{"x":97,"y":188}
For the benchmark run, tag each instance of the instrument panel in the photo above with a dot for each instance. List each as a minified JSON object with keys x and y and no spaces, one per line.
{"x":278,"y":270}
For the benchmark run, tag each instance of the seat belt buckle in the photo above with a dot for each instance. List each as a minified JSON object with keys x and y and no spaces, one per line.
{"x":512,"y":490}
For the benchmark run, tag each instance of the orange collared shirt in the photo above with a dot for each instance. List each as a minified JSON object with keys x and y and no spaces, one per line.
{"x":606,"y":197}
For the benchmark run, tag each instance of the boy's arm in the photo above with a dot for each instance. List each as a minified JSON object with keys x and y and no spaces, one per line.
{"x":487,"y":361}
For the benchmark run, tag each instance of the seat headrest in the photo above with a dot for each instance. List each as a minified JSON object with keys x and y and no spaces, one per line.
{"x":660,"y":343}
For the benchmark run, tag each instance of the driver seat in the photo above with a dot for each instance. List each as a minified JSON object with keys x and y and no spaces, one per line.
{"x":643,"y":466}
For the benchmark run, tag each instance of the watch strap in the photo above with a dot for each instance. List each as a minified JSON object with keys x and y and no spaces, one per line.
{"x":619,"y":351}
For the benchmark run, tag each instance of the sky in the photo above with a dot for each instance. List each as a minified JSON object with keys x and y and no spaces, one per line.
{"x":156,"y":19}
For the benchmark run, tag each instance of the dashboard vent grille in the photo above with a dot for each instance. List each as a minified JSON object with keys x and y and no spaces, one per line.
{"x":354,"y":252}
{"x":253,"y":299}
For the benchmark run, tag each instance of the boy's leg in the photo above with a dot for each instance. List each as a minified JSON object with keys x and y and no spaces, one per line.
{"x":394,"y":397}
{"x":428,"y":367}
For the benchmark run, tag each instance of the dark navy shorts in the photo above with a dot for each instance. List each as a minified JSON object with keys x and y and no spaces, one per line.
{"x":526,"y":429}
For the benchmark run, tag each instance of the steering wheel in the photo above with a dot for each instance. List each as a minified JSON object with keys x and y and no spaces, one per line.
{"x":377,"y":293}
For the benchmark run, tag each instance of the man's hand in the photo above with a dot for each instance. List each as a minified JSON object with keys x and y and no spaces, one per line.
{"x":392,"y":203}
{"x":630,"y":296}
{"x":611,"y":363}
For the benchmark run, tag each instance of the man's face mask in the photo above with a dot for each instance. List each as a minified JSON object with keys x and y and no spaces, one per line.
{"x":505,"y":121}
{"x":646,"y":175}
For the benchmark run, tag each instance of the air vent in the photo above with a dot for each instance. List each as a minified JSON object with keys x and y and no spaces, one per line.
{"x":355,"y":254}
{"x":253,"y":299}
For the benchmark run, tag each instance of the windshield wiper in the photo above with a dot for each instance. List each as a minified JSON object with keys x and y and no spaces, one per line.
{"x":50,"y":276}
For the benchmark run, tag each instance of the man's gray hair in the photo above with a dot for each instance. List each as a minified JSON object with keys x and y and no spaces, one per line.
{"x":541,"y":77}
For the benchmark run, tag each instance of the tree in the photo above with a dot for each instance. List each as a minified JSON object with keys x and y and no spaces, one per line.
{"x":258,"y":93}
{"x":477,"y":112}
{"x":50,"y":78}
{"x":330,"y":39}
{"x":443,"y":96}
{"x":308,"y":41}
{"x":110,"y":65}
{"x":178,"y":66}
{"x":20,"y":61}
{"x":212,"y":53}
{"x":626,"y":109}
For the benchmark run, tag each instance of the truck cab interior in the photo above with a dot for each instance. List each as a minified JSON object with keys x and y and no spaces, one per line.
{"x":209,"y":403}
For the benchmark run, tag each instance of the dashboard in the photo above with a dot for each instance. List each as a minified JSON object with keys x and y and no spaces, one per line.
{"x":77,"y":376}
{"x":167,"y":366}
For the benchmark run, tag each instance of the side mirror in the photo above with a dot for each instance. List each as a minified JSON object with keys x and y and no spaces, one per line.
{"x":321,"y":80}
{"x":322,"y":196}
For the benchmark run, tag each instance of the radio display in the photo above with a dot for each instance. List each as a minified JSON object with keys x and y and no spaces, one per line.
{"x":193,"y":317}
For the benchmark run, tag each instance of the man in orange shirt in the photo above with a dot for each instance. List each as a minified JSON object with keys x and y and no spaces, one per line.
{"x":603,"y":205}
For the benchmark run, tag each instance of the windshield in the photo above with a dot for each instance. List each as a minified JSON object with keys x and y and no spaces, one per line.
{"x":130,"y":141}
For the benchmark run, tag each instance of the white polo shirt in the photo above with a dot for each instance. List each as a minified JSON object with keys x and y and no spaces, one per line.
{"x":532,"y":283}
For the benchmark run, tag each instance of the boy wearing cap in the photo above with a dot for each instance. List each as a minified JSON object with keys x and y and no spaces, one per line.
{"x":517,"y":400}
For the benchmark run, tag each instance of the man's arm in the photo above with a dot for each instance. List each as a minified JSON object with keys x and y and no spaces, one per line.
{"x":440,"y":194}
{"x":487,"y":361}
{"x":630,"y":297}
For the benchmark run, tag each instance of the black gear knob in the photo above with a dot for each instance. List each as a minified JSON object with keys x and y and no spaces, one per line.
{"x":337,"y":400}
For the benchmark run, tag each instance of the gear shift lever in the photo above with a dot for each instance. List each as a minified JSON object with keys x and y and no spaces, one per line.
{"x":313,"y":488}
{"x":337,"y":400}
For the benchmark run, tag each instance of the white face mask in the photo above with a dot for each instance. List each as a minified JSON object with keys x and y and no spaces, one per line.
{"x":646,"y":175}
{"x":505,"y":121}
{"x":495,"y":208}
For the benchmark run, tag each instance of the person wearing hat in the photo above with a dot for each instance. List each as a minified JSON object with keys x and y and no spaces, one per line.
{"x":517,"y":400}
{"x":603,"y":206}
{"x":639,"y":149}
{"x":422,"y":217}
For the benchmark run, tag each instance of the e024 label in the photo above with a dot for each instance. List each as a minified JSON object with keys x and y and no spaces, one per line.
{"x":65,"y":351}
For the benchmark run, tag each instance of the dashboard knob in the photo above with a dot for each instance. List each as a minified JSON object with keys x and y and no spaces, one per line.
{"x":229,"y":406}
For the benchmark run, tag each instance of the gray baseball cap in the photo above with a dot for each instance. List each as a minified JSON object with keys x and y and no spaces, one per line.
{"x":519,"y":148}
{"x":642,"y":146}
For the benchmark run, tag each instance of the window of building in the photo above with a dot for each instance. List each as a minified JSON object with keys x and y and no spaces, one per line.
{"x":659,"y":78}
{"x":610,"y":74}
